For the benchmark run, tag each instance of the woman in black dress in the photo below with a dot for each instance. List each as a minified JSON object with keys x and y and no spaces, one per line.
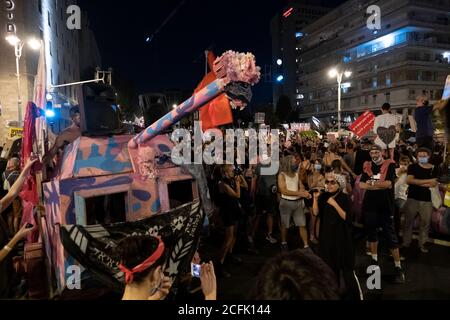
{"x":335,"y":242}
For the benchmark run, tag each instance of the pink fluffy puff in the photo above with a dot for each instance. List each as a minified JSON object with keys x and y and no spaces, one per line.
{"x":240,"y":67}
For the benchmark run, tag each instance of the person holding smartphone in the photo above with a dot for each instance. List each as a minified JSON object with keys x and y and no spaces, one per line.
{"x":142,"y":260}
{"x":336,"y":242}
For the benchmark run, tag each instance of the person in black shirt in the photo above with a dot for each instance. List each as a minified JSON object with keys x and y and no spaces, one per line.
{"x":421,"y":177}
{"x":378,"y":180}
{"x":362,"y":156}
{"x":335,"y":243}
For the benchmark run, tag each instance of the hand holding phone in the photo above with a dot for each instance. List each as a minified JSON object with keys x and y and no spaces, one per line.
{"x":195,"y":270}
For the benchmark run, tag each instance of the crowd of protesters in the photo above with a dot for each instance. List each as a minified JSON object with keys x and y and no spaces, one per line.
{"x":321,"y":187}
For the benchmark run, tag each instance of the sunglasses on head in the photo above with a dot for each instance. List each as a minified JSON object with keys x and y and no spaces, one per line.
{"x":332,"y":182}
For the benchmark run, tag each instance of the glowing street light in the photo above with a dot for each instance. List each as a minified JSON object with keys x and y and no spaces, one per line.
{"x":338,"y":74}
{"x":18,"y":45}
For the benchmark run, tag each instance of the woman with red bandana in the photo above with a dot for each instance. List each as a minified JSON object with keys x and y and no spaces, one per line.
{"x":142,"y":260}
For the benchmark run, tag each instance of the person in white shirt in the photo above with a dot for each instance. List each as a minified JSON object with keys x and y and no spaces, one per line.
{"x":386,"y":120}
{"x":401,"y":191}
{"x":292,"y":205}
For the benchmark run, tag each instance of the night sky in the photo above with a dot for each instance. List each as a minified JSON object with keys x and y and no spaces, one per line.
{"x":174,"y":59}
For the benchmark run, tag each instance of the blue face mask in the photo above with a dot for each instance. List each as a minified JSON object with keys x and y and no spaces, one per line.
{"x":318,"y":167}
{"x":423,"y":160}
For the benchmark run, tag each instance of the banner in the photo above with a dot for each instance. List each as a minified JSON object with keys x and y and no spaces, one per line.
{"x":363,"y":124}
{"x":15,"y":132}
{"x":93,"y":246}
{"x":301,"y":126}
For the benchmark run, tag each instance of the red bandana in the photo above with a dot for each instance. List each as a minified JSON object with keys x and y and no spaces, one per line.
{"x":129,"y":274}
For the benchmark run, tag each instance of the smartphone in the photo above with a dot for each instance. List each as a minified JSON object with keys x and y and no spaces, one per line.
{"x":195,"y":270}
{"x":29,"y":226}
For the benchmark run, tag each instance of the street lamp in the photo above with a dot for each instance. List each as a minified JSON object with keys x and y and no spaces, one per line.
{"x":18,"y":45}
{"x":338,"y":74}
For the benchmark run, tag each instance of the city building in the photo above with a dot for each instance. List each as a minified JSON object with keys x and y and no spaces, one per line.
{"x":47,"y":22}
{"x":408,"y":56}
{"x":287,"y":30}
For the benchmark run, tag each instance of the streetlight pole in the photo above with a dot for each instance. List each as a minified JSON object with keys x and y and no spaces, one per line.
{"x":339,"y":80}
{"x":339,"y":75}
{"x":18,"y":46}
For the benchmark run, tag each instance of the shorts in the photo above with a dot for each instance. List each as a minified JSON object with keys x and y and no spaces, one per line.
{"x":230,"y":216}
{"x":266,"y":204}
{"x":292,"y":209}
{"x":385,"y":221}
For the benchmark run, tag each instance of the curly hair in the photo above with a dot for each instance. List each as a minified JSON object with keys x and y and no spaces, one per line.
{"x":296,"y":275}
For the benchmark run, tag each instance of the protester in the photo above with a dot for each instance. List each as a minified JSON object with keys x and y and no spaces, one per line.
{"x":336,"y":241}
{"x":229,"y":188}
{"x":296,"y":275}
{"x":316,"y":182}
{"x":266,"y":203}
{"x":378,"y":206}
{"x":421,"y":177}
{"x":142,"y":260}
{"x":387,"y":122}
{"x":9,"y":176}
{"x":401,"y":192}
{"x":422,"y":116}
{"x":336,"y":166}
{"x":291,"y":204}
{"x":7,"y":246}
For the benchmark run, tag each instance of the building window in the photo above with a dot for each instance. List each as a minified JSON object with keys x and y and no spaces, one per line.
{"x":388,"y":79}
{"x":40,"y":6}
{"x":51,"y":76}
{"x":50,"y":48}
{"x":56,"y":29}
{"x":366,"y":100}
{"x":374,"y":82}
{"x":388,"y":97}
{"x":48,"y":19}
{"x":374,"y":98}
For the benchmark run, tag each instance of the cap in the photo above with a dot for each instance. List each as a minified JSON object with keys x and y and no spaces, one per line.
{"x":375,"y":148}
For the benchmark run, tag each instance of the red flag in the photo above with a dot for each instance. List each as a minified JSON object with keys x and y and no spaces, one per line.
{"x":29,"y":193}
{"x":218,"y":111}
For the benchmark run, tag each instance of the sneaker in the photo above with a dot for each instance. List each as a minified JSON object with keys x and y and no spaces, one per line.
{"x":284,"y":247}
{"x":271,"y":239}
{"x":314,"y":242}
{"x":423,"y":249}
{"x":399,"y":276}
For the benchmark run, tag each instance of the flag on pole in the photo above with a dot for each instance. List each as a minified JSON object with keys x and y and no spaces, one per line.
{"x":40,"y":99}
